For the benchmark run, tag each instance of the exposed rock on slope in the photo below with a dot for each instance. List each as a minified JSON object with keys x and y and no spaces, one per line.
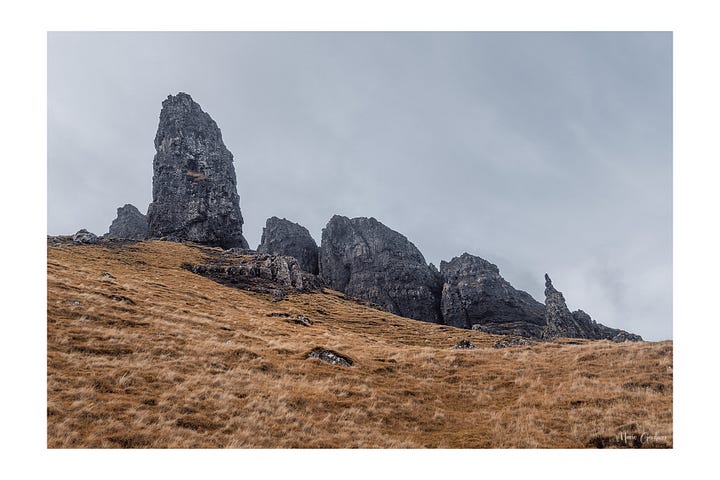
{"x":363,"y":258}
{"x":283,"y":237}
{"x":560,"y":322}
{"x":194,"y":187}
{"x":274,"y":274}
{"x":474,"y":295}
{"x":130,"y":223}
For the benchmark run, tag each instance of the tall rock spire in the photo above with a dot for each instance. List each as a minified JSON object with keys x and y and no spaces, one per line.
{"x":194,"y":186}
{"x":560,"y":322}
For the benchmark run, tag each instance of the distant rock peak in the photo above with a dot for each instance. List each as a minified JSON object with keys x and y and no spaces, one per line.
{"x":130,"y":224}
{"x":363,"y":258}
{"x":283,"y":237}
{"x":474,"y":295}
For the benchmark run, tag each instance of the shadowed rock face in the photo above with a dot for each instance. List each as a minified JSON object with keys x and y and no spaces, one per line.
{"x":283,"y":237}
{"x":474,"y":295}
{"x":194,"y":187}
{"x":560,"y":322}
{"x":130,"y":223}
{"x":363,"y":258}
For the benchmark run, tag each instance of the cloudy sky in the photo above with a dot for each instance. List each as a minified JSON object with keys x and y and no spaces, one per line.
{"x":541,"y":152}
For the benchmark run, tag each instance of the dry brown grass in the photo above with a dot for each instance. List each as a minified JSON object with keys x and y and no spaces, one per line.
{"x":160,"y":357}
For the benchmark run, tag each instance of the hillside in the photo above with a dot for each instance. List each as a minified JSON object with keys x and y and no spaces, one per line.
{"x":144,"y":353}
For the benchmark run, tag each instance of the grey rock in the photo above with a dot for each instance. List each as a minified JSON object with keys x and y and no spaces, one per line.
{"x":363,"y":258}
{"x":303,"y":320}
{"x":513,"y":342}
{"x":330,"y":356}
{"x":626,"y":337}
{"x":464,"y":345}
{"x":560,"y":322}
{"x":274,"y":274}
{"x":84,"y":237}
{"x":130,"y":223}
{"x":283,"y":237}
{"x":194,"y":186}
{"x":475,"y":295}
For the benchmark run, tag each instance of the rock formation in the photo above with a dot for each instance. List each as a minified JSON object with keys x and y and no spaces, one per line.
{"x":194,"y":186}
{"x":130,"y":223}
{"x":83,"y":236}
{"x":283,"y":237}
{"x":560,"y":322}
{"x":274,"y":274}
{"x":363,"y":258}
{"x":474,"y":295}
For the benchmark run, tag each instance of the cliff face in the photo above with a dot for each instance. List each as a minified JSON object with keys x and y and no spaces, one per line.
{"x":194,"y":186}
{"x":363,"y":258}
{"x":283,"y":237}
{"x":474,"y":295}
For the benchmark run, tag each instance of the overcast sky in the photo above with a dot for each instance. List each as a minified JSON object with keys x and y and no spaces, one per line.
{"x":541,"y":152}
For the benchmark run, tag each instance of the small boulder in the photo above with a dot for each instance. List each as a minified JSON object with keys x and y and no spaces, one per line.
{"x":84,"y":237}
{"x":303,"y":320}
{"x":464,"y":345}
{"x":513,"y":342}
{"x":329,"y":356}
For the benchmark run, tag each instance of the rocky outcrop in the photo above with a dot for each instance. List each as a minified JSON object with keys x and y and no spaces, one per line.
{"x":283,"y":237}
{"x":363,"y":258}
{"x":130,"y":224}
{"x":474,"y":295}
{"x":275,"y":274}
{"x":513,"y":342}
{"x":560,"y":322}
{"x":83,"y":236}
{"x":194,"y":186}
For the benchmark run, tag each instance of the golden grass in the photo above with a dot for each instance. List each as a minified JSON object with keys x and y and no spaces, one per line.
{"x":157,"y":357}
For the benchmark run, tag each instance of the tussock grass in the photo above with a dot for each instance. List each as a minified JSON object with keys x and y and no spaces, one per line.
{"x":158,"y":357}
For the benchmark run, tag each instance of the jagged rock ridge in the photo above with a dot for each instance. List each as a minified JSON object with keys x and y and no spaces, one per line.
{"x":560,"y":322}
{"x":130,"y":223}
{"x":363,"y":258}
{"x":194,"y":186}
{"x":283,"y":237}
{"x":474,"y":295}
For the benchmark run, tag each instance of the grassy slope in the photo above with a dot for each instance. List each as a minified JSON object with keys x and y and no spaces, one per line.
{"x":160,"y":357}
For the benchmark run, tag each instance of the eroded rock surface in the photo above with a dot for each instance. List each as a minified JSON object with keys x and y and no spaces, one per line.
{"x":475,"y":295}
{"x":363,"y":258}
{"x":83,"y":236}
{"x":130,"y":224}
{"x":274,"y":274}
{"x":560,"y":322}
{"x":194,"y":186}
{"x":283,"y":237}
